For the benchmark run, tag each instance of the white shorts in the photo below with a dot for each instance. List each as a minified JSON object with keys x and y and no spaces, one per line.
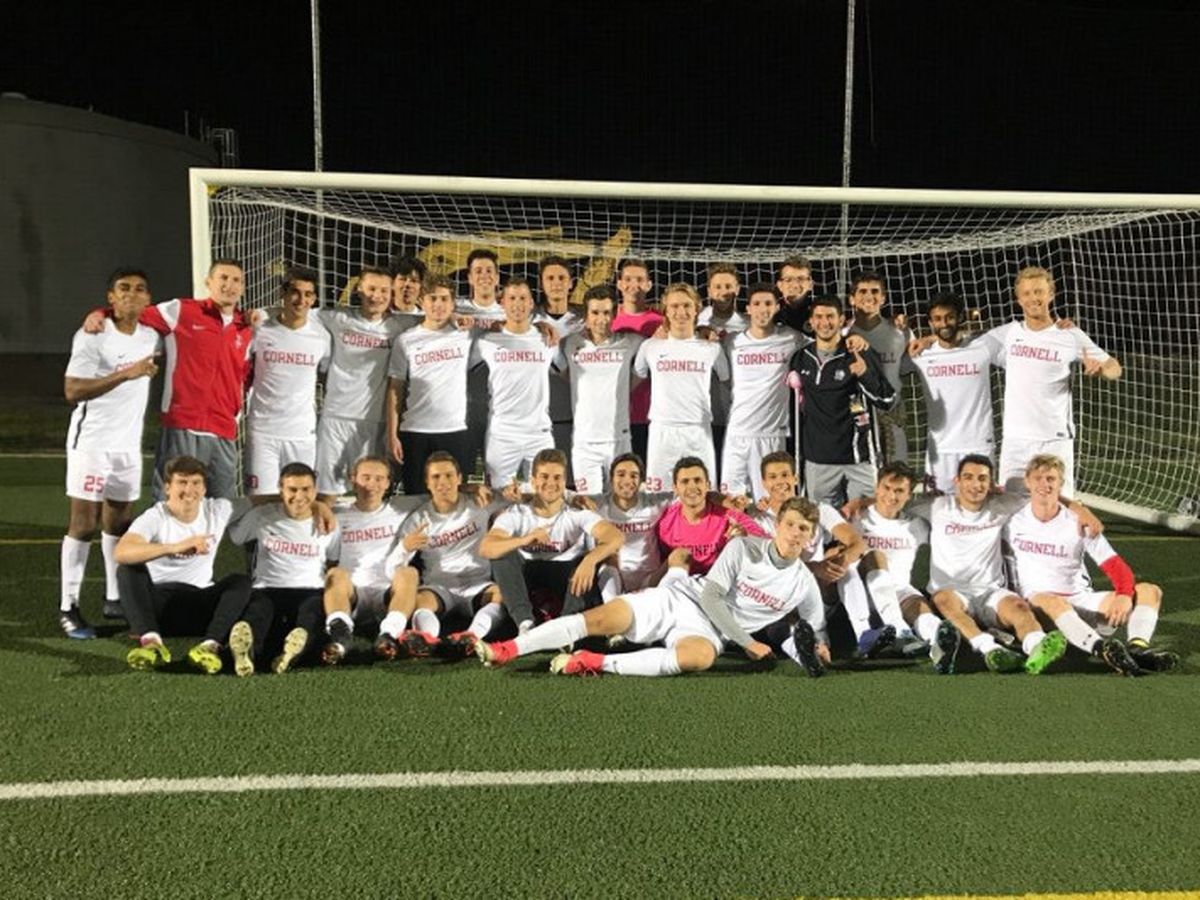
{"x":340,"y":444}
{"x":265,"y":456}
{"x":983,"y":603}
{"x":98,"y":475}
{"x":1087,"y":604}
{"x":741,"y":462}
{"x":941,"y":467}
{"x":670,"y":442}
{"x":510,"y":456}
{"x":590,"y":462}
{"x":1015,"y":456}
{"x":456,"y":597}
{"x":660,"y":614}
{"x":370,"y":601}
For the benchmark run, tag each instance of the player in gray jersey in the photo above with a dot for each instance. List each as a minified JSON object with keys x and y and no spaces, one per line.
{"x":868,"y":295}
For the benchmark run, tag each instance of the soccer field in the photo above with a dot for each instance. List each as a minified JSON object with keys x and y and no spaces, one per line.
{"x":452,"y":780}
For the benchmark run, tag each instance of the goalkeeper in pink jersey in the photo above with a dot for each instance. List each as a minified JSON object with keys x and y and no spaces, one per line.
{"x":696,"y":522}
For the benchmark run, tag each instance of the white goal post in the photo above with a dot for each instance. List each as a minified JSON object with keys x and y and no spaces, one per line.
{"x":1127,"y":268}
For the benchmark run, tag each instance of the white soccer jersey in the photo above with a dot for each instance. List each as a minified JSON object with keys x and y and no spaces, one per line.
{"x":518,"y":372}
{"x":735,"y":324}
{"x":452,"y":554}
{"x":282,"y":400}
{"x":358,"y":366}
{"x":158,"y":526}
{"x":434,"y":365}
{"x":680,"y":372}
{"x":112,"y":422}
{"x":290,"y":553}
{"x":367,"y":538}
{"x":759,"y":367}
{"x":964,"y":547}
{"x":890,"y":345}
{"x":639,"y":554}
{"x":568,"y":528}
{"x":757,"y":591}
{"x":958,"y":395}
{"x":599,"y":383}
{"x":1049,"y":555}
{"x":1037,"y":379}
{"x":491,"y":313}
{"x":897,"y":539}
{"x":566,"y":324}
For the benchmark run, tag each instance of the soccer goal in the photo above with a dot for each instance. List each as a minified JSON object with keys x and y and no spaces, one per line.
{"x":1126,"y":267}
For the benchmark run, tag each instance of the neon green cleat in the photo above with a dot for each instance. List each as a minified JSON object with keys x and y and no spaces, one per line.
{"x":205,"y":659}
{"x":293,"y":646}
{"x":1001,"y":659}
{"x":241,"y":647}
{"x":1050,"y":648}
{"x":148,"y":656}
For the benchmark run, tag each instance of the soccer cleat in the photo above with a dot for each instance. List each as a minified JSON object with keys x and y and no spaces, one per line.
{"x":582,"y":662}
{"x":805,"y":640}
{"x":1149,"y":659}
{"x":1049,"y":648}
{"x":419,"y":644}
{"x":874,"y":641}
{"x":496,"y":653}
{"x":386,"y":647}
{"x":617,"y":641}
{"x":340,"y":638}
{"x":912,"y":647}
{"x":148,"y":656}
{"x":293,"y":646}
{"x":241,"y":648}
{"x":1116,"y":656}
{"x":205,"y":659}
{"x":459,"y":645}
{"x":112,"y":609}
{"x":75,"y":626}
{"x":1001,"y":660}
{"x":943,"y":652}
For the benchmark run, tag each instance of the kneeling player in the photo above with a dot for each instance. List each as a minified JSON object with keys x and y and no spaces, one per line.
{"x":754,"y":583}
{"x":1049,"y":551}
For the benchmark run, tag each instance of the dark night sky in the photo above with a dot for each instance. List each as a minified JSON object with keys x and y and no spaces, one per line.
{"x":1023,"y":94}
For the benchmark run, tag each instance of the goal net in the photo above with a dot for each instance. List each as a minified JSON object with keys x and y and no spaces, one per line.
{"x":1125,"y":266}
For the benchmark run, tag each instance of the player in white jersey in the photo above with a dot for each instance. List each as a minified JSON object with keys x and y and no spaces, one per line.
{"x":108,"y":380}
{"x":955,"y":375}
{"x":1037,"y":358}
{"x":598,"y":364}
{"x":720,"y":318}
{"x":868,"y":294}
{"x":555,"y":281}
{"x":428,"y":385}
{"x":634,"y":513}
{"x":281,"y":413}
{"x":518,"y":363}
{"x":758,"y":417}
{"x":754,"y":583}
{"x":482,"y":306}
{"x":289,"y":578}
{"x":165,"y":572}
{"x":1049,"y":552}
{"x":542,"y":545}
{"x":353,"y":414}
{"x":681,"y":367}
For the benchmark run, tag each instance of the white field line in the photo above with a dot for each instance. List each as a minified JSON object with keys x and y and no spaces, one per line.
{"x":46,"y":790}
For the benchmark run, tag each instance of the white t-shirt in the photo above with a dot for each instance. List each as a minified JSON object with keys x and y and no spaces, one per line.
{"x":434,"y":366}
{"x":112,"y":422}
{"x":358,"y":368}
{"x":492,"y":313}
{"x":568,"y":528}
{"x":368,"y":537}
{"x":1037,"y":380}
{"x":599,"y":383}
{"x":964,"y":546}
{"x":680,"y":372}
{"x":1049,"y":555}
{"x":452,"y":554}
{"x":640,"y":551}
{"x":518,"y":371}
{"x":158,"y":526}
{"x":897,"y":539}
{"x":283,"y":398}
{"x":759,"y":368}
{"x":735,"y":324}
{"x":958,"y":395}
{"x":290,"y":553}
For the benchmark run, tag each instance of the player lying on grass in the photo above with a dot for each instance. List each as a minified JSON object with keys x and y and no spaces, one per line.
{"x":165,"y":572}
{"x":754,"y":583}
{"x":1049,"y":553}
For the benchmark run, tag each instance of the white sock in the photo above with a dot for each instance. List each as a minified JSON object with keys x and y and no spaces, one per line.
{"x":553,"y":635}
{"x":927,"y":626}
{"x":853,"y":594}
{"x":393,"y":624}
{"x":983,"y":643}
{"x":486,"y":619}
{"x":609,"y":582}
{"x":426,"y":620}
{"x":72,"y":566}
{"x":335,"y":616}
{"x":653,"y":662}
{"x":108,"y":547}
{"x":1030,"y":641}
{"x":883,"y":592}
{"x":1076,"y":631}
{"x":1142,"y":622}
